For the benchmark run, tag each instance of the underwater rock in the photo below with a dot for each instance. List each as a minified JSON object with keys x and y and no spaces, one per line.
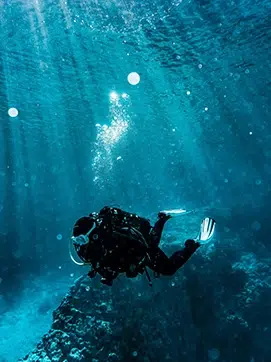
{"x":211,"y":310}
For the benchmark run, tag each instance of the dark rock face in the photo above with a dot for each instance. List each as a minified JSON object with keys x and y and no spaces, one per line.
{"x":202,"y":314}
{"x":216,"y":308}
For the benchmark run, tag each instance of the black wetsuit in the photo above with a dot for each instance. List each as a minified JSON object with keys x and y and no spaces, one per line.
{"x":125,"y":243}
{"x":163,"y":264}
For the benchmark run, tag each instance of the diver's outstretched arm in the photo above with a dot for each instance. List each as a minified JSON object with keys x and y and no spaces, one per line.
{"x":156,"y":231}
{"x":161,"y":264}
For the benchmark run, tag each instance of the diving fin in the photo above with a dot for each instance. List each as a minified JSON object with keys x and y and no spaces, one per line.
{"x":207,"y":230}
{"x":174,"y":212}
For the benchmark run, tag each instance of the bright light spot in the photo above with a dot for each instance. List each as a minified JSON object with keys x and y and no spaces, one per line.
{"x":188,"y":93}
{"x":172,"y":284}
{"x":134,"y":353}
{"x":98,"y":125}
{"x":60,"y":267}
{"x":26,"y":184}
{"x":206,"y":109}
{"x":250,"y":133}
{"x":124,"y":95}
{"x":119,"y":158}
{"x":133,"y":78}
{"x":173,"y":129}
{"x":71,"y":275}
{"x":200,"y":66}
{"x":113,"y":96}
{"x":59,"y":237}
{"x":13,"y":112}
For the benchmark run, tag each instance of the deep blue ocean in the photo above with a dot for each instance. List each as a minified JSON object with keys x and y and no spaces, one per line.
{"x":147,"y":105}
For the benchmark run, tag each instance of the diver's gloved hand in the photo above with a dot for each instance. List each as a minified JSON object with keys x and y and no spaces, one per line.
{"x":207,"y":229}
{"x":164,"y":216}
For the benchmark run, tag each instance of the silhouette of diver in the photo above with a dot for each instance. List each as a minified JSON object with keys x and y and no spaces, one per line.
{"x":114,"y":241}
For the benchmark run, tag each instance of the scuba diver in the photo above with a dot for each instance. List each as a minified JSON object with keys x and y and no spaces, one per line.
{"x":114,"y":241}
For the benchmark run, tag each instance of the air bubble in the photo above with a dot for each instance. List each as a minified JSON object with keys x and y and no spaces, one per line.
{"x":256,"y":225}
{"x":133,"y":78}
{"x":13,"y":112}
{"x":113,"y":96}
{"x":213,"y":354}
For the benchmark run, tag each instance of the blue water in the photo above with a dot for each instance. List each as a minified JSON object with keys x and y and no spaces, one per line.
{"x":195,"y":131}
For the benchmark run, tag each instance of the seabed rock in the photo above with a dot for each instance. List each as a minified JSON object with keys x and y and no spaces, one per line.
{"x":216,"y":308}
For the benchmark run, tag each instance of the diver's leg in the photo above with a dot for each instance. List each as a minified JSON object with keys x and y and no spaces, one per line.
{"x":161,"y":264}
{"x":156,"y":232}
